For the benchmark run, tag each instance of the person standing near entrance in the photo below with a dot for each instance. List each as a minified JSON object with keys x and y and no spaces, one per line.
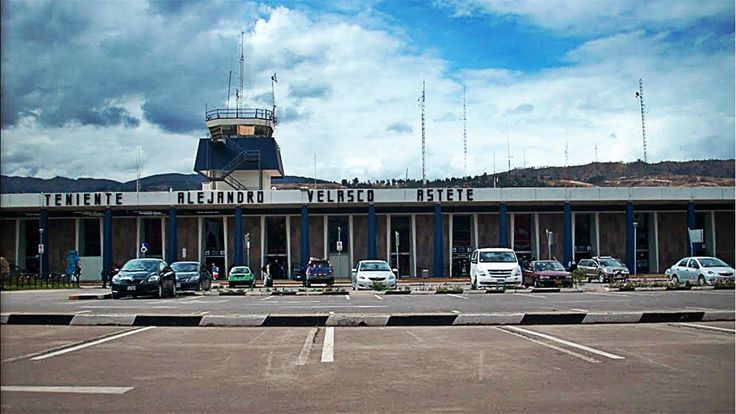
{"x":105,"y":275}
{"x":215,"y":271}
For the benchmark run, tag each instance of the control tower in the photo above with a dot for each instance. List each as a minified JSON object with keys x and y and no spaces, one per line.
{"x":240,"y":152}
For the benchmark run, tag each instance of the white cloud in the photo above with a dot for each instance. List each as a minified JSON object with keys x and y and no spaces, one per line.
{"x":355,"y":83}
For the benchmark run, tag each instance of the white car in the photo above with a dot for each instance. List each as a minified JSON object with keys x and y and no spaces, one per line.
{"x":700,"y":271}
{"x":369,"y":272}
{"x":493,"y":267}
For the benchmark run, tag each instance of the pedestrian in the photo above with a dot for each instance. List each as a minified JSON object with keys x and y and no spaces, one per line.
{"x":105,"y":275}
{"x":215,"y":271}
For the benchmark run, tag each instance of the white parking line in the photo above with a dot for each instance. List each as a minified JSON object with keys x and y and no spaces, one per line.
{"x":699,"y":308}
{"x":56,"y":348}
{"x":457,"y":296}
{"x":256,"y":338}
{"x":563,"y":350}
{"x":347,"y":297}
{"x":578,"y":310}
{"x":67,"y":390}
{"x":455,"y":311}
{"x":307,"y":347}
{"x":88,"y":344}
{"x":706,"y":327}
{"x":568,"y":343}
{"x":328,"y":346}
{"x":529,"y":295}
{"x":378,"y":297}
{"x":413,"y":335}
{"x":268,"y":297}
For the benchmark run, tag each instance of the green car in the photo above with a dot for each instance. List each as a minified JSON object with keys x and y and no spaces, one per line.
{"x":241,"y":275}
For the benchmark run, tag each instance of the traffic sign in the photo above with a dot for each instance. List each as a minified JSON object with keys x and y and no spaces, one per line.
{"x":144,"y":247}
{"x":40,"y":249}
{"x":339,"y":245}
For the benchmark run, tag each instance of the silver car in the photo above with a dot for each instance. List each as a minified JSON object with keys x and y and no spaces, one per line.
{"x":700,"y":270}
{"x":605,"y":269}
{"x":368,"y":273}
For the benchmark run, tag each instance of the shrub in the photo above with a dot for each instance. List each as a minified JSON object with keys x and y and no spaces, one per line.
{"x":379,"y":286}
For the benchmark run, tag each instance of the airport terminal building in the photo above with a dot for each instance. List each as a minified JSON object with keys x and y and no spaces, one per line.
{"x":238,"y":218}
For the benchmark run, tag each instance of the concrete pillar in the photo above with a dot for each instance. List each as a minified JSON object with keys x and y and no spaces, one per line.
{"x":503,"y":228}
{"x":566,"y":234}
{"x":371,"y":232}
{"x":304,"y":237}
{"x":437,"y":257}
{"x":238,"y":237}
{"x":171,"y":250}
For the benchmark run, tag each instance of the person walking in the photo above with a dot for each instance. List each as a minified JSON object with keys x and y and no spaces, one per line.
{"x":105,"y":275}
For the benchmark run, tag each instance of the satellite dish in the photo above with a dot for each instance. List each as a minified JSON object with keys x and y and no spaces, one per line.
{"x":637,"y":94}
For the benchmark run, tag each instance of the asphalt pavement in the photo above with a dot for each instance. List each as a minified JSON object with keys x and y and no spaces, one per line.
{"x":643,"y":368}
{"x":368,"y":302}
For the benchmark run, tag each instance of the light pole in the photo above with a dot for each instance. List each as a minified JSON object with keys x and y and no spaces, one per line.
{"x":549,"y":244}
{"x":41,"y":248}
{"x":247,"y":249}
{"x":339,"y":248}
{"x":635,"y":223}
{"x":396,"y":238}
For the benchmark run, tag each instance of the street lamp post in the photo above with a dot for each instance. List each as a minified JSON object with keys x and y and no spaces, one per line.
{"x":635,"y":223}
{"x":396,"y":238}
{"x":41,"y":248}
{"x":549,"y":244}
{"x":339,"y":249}
{"x":247,"y":249}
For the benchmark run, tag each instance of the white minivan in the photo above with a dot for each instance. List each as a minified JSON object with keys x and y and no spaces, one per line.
{"x":494,"y":266}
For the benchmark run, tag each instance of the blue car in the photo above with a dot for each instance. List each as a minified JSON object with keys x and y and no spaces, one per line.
{"x":319,"y":271}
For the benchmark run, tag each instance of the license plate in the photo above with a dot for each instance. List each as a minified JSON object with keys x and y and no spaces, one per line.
{"x":131,"y":287}
{"x":558,"y":282}
{"x":500,"y":280}
{"x":178,"y":285}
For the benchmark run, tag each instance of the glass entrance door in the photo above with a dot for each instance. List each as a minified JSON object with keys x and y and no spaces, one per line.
{"x":401,"y":256}
{"x":275,"y":248}
{"x":337,"y":230}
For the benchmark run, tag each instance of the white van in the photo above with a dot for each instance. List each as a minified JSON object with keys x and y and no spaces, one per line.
{"x":494,"y":266}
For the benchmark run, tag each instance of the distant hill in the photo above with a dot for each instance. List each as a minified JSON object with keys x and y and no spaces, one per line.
{"x":601,"y":174}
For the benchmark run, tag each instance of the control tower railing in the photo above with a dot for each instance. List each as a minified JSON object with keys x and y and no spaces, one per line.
{"x":265,"y":114}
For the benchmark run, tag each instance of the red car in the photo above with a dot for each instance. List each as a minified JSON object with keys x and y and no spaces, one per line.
{"x":546,"y":273}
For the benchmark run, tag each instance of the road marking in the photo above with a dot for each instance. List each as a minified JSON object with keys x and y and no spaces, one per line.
{"x":268,"y":297}
{"x":256,"y":338}
{"x":378,"y":297}
{"x":615,"y":295}
{"x":706,"y":327}
{"x":328,"y":346}
{"x":457,"y":296}
{"x":578,"y":310}
{"x":88,"y":344}
{"x":83,"y":311}
{"x":563,"y":350}
{"x":413,"y":335}
{"x":347,"y":297}
{"x":568,"y":343}
{"x":698,"y":308}
{"x":192,"y":298}
{"x":340,"y":306}
{"x":127,"y":307}
{"x":307,"y":347}
{"x":56,"y":348}
{"x":529,"y":295}
{"x":454,"y":311}
{"x":480,"y":366}
{"x":67,"y":390}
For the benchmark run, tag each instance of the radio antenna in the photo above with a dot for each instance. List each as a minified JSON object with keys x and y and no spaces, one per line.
{"x":424,"y":171}
{"x":229,"y":82}
{"x":640,"y":94}
{"x":239,"y":93}
{"x":465,"y":135}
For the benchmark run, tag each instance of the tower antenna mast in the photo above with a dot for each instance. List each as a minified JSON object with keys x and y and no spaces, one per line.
{"x":273,"y":96}
{"x":424,"y":171}
{"x":640,"y":94}
{"x":239,"y":94}
{"x":229,"y":82}
{"x":465,"y":135}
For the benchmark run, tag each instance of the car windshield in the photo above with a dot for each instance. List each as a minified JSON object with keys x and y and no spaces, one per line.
{"x":141,"y":266}
{"x":319,"y":263}
{"x":712,"y":262}
{"x":240,"y":269}
{"x":373,"y":267}
{"x":184,"y":267}
{"x":610,"y":262}
{"x":542,"y":266}
{"x":496,"y":257}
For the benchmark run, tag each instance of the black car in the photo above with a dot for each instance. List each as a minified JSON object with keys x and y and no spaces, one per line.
{"x":144,"y":277}
{"x":319,"y":271}
{"x":192,"y":276}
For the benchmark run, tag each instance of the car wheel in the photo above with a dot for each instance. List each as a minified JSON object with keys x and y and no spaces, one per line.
{"x":536,"y":283}
{"x":231,"y":285}
{"x":173,"y":290}
{"x":473,"y":285}
{"x":701,"y":280}
{"x":115,"y":295}
{"x":354,"y":287}
{"x":200,"y":286}
{"x":160,"y":292}
{"x":208,"y":285}
{"x":601,"y":278}
{"x":675,"y":280}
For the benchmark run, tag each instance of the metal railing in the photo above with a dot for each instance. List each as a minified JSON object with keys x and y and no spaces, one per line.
{"x":19,"y":281}
{"x":265,"y":114}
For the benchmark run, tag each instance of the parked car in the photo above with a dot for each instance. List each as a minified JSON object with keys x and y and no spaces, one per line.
{"x":605,"y":269}
{"x":144,"y":277}
{"x":369,"y":272}
{"x":700,"y":270}
{"x":546,"y":273}
{"x":192,"y":276}
{"x":319,"y":271}
{"x":241,"y":275}
{"x":494,"y":266}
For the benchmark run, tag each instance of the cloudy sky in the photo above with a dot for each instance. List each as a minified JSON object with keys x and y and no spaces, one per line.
{"x":85,"y":84}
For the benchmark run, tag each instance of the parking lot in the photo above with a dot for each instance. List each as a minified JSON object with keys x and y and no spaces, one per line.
{"x":610,"y":368}
{"x":371,"y":302}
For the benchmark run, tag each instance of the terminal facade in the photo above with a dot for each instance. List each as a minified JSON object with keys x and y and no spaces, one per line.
{"x":239,"y":219}
{"x":421,"y":232}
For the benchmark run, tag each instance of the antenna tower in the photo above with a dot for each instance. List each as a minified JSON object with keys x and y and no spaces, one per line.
{"x":508,"y":147}
{"x":465,"y":135}
{"x":229,"y":82}
{"x":640,"y":95}
{"x":566,"y":159}
{"x":424,"y":172}
{"x":239,"y":94}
